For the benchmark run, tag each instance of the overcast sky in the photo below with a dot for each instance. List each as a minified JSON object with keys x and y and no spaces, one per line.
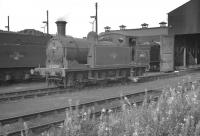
{"x":29,"y":14}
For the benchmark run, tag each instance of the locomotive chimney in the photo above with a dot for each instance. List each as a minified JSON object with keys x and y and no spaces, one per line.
{"x":61,"y":27}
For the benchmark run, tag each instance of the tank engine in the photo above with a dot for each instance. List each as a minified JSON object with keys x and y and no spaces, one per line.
{"x":73,"y":61}
{"x":123,"y":39}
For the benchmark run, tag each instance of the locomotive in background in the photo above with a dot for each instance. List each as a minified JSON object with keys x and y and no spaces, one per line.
{"x":20,"y":52}
{"x":123,"y":39}
{"x":73,"y":61}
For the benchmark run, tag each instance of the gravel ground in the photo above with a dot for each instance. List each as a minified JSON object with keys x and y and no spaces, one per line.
{"x":22,"y":87}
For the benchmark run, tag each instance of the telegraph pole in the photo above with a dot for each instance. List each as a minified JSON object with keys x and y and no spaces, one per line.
{"x":96,"y":17}
{"x":47,"y":22}
{"x":8,"y":26}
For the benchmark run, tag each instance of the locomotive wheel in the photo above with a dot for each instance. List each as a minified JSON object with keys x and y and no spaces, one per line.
{"x":70,"y":80}
{"x":123,"y":73}
{"x":103,"y":83}
{"x":79,"y":85}
{"x":123,"y":81}
{"x":140,"y":71}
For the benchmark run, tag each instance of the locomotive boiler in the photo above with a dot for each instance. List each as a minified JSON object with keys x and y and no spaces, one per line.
{"x":62,"y":51}
{"x":74,"y":61}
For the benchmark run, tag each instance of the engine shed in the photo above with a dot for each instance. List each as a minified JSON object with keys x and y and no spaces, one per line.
{"x":184,"y":26}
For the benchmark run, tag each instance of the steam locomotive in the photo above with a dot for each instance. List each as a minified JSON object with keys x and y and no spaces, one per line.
{"x":124,"y":40}
{"x":20,"y":52}
{"x":74,"y":61}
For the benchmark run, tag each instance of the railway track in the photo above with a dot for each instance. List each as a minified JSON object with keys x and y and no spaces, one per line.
{"x":47,"y":91}
{"x":38,"y":121}
{"x":46,"y":115}
{"x":27,"y":94}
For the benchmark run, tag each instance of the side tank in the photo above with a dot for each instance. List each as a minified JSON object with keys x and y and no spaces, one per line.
{"x":65,"y":48}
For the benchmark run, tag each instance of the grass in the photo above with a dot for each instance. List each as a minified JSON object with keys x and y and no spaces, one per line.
{"x":177,"y":113}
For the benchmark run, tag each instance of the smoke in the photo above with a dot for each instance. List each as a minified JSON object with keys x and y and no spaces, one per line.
{"x":64,"y":18}
{"x":61,"y":19}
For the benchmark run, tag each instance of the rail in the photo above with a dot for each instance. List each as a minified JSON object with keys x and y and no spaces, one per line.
{"x":56,"y":116}
{"x":47,"y":91}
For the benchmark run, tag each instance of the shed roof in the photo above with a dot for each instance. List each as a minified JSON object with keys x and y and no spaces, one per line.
{"x":155,"y":31}
{"x":185,"y":19}
{"x":178,"y":9}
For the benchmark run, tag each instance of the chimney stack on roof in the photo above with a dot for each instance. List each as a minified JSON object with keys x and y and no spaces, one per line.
{"x":163,"y":24}
{"x":122,"y":27}
{"x":144,"y":25}
{"x":61,"y":27}
{"x":107,"y":28}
